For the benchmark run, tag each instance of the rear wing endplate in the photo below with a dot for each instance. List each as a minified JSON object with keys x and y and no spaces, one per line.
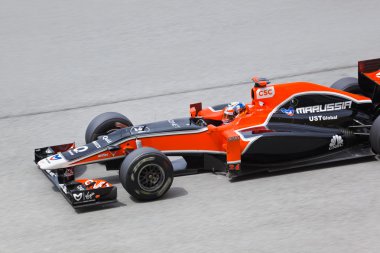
{"x":369,"y":78}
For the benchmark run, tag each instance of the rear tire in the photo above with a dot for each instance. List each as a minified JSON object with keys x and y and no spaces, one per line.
{"x":374,"y":136}
{"x":348,"y":84}
{"x":146,"y":174}
{"x":104,"y":123}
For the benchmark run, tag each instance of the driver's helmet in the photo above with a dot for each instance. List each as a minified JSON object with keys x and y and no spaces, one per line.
{"x":232,"y":111}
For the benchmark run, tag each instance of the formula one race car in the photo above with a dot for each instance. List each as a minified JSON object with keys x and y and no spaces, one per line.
{"x":284,"y":126}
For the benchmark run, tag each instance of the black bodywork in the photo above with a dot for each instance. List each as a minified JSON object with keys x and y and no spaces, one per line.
{"x":334,"y":129}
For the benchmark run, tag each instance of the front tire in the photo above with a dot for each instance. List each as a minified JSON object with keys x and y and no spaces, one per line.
{"x":105,"y":123}
{"x":146,"y":174}
{"x":374,"y":136}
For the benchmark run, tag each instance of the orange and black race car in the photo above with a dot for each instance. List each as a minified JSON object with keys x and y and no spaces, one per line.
{"x":284,"y":126}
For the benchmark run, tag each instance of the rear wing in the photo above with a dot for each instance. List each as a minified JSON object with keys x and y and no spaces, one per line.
{"x":369,"y":78}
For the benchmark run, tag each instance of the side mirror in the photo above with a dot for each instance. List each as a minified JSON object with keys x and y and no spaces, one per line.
{"x":194,"y":109}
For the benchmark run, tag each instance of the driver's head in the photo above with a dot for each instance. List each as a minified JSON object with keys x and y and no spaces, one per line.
{"x":232,"y":111}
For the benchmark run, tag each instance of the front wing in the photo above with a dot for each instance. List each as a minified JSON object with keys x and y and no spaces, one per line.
{"x":81,"y":192}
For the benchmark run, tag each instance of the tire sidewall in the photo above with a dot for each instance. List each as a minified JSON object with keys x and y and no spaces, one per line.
{"x":131,"y":168}
{"x":103,"y":123}
{"x":374,"y":136}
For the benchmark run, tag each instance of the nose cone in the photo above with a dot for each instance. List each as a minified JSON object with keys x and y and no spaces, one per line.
{"x":53,"y":162}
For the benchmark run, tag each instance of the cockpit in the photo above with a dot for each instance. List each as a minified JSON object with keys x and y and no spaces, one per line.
{"x":227,"y":113}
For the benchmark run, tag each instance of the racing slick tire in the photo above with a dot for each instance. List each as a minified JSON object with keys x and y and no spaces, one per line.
{"x":374,"y":136}
{"x":104,"y":123}
{"x":146,"y":174}
{"x":349,"y":84}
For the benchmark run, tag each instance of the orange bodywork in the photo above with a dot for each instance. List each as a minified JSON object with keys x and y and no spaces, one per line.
{"x":374,"y":76}
{"x":91,"y":184}
{"x":224,"y":139}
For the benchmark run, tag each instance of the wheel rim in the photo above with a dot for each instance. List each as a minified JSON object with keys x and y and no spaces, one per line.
{"x":151,"y":177}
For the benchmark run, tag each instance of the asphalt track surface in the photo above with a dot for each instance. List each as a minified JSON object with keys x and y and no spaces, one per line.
{"x":64,"y":62}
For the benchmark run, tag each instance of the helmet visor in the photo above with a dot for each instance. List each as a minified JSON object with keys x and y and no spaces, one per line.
{"x":228,"y":117}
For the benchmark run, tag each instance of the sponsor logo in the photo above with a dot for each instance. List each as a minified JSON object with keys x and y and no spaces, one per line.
{"x":325,"y":108}
{"x":108,"y":140}
{"x":100,"y":185}
{"x":294,"y":102}
{"x":89,"y":196}
{"x":336,"y":142}
{"x":233,"y":138}
{"x":78,"y":150}
{"x":103,"y":155}
{"x":289,"y":111}
{"x":173,"y":123}
{"x":51,"y":173}
{"x":55,"y":157}
{"x":322,"y":118}
{"x":267,"y":92}
{"x":78,"y":196}
{"x":97,"y":145}
{"x":63,"y":187}
{"x":378,"y":75}
{"x":80,"y":188}
{"x":96,"y":185}
{"x":88,"y":182}
{"x":140,"y":129}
